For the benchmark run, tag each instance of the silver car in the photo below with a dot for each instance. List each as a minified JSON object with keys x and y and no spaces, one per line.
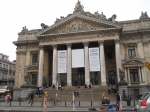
{"x":144,"y":103}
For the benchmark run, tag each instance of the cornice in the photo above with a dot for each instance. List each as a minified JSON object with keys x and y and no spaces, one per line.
{"x":80,"y":17}
{"x":81,"y":33}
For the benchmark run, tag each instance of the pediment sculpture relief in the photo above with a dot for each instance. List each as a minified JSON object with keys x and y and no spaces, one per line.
{"x":78,"y":26}
{"x":132,"y":62}
{"x":32,"y":68}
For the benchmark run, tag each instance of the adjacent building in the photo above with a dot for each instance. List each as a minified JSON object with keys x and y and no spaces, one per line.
{"x":85,"y":48}
{"x":7,"y":71}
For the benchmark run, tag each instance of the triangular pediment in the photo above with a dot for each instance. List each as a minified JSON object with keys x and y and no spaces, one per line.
{"x":133,"y":62}
{"x":33,"y":67}
{"x":78,"y":23}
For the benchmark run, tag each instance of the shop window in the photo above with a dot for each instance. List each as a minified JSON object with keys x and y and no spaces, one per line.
{"x":131,"y":51}
{"x":35,"y":59}
{"x":134,"y":77}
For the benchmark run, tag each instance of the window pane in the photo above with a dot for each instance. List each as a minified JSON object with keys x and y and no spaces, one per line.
{"x":131,"y":51}
{"x":35,"y":58}
{"x":134,"y":75}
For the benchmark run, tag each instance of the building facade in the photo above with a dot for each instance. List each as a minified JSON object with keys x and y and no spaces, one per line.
{"x":85,"y":48}
{"x":7,"y":71}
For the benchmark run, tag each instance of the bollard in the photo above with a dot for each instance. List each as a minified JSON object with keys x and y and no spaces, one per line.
{"x":79,"y":103}
{"x":10,"y":102}
{"x":91,"y":103}
{"x":31,"y":103}
{"x":42,"y":103}
{"x":65,"y":103}
{"x":19,"y":103}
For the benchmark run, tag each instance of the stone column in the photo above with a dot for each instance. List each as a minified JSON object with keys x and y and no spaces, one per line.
{"x":126,"y":77}
{"x":118,"y":59}
{"x":54,"y":64}
{"x":102,"y":63}
{"x":129,"y":81}
{"x":40,"y":74}
{"x":69,"y":66}
{"x":140,"y":79}
{"x":143,"y":76}
{"x":28,"y":58}
{"x":86,"y":63}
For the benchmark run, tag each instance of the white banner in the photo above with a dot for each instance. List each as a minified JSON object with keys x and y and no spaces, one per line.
{"x":61,"y":68}
{"x":77,"y":58}
{"x":94,"y":59}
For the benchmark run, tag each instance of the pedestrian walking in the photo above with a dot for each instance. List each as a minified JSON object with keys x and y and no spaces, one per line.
{"x":31,"y":97}
{"x":118,"y":98}
{"x":45,"y":100}
{"x":8,"y":98}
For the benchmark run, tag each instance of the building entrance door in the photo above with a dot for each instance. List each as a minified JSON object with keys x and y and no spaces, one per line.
{"x":111,"y":77}
{"x":34,"y":79}
{"x":78,"y":79}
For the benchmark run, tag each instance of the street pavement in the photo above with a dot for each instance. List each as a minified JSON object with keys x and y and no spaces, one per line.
{"x":16,"y":106}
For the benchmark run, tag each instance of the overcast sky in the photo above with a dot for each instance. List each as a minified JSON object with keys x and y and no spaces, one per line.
{"x":15,"y":14}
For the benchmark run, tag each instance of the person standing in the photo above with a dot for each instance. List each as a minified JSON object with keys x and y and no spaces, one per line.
{"x":8,"y":98}
{"x":31,"y":97}
{"x":45,"y":100}
{"x":118,"y":98}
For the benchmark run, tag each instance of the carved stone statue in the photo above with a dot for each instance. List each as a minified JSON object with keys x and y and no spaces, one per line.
{"x":113,"y":18}
{"x":144,"y":15}
{"x":44,"y":25}
{"x":122,"y":75}
{"x":78,"y":7}
{"x":24,"y":29}
{"x":27,"y":79}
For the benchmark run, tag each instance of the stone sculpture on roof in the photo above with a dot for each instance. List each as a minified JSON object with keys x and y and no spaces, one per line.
{"x":24,"y":29}
{"x":144,"y":15}
{"x":78,"y":7}
{"x":44,"y":25}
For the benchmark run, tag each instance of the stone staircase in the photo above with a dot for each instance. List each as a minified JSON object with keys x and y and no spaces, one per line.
{"x":93,"y":94}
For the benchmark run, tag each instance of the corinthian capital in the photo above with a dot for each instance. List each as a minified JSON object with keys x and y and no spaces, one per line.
{"x":69,"y":44}
{"x":117,"y":41}
{"x":101,"y":42}
{"x":86,"y":43}
{"x":41,"y":47}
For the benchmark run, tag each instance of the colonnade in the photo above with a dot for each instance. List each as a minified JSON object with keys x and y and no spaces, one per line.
{"x":87,"y":70}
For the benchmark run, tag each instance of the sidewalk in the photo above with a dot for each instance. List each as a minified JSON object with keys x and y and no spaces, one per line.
{"x":65,"y":106}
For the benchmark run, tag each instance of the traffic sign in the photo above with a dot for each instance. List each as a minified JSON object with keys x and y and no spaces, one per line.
{"x":113,"y":107}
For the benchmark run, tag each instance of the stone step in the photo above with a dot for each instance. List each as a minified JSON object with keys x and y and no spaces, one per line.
{"x":93,"y":94}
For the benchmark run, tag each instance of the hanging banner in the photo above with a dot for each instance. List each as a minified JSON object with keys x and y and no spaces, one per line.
{"x":77,"y":58}
{"x":61,"y":68}
{"x":94,"y":59}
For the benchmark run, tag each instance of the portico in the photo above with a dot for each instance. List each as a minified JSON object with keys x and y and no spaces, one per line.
{"x":80,"y":75}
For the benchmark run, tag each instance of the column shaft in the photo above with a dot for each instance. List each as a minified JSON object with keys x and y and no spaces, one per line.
{"x":69,"y":75}
{"x":102,"y":63}
{"x":86,"y":55}
{"x":28,"y":58}
{"x":140,"y":79}
{"x":129,"y":76}
{"x":40,"y":74}
{"x":54,"y":64}
{"x":118,"y":59}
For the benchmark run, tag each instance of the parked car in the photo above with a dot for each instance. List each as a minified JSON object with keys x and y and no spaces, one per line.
{"x":144,"y":103}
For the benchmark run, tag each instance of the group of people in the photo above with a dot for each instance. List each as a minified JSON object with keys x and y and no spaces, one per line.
{"x":76,"y":93}
{"x":88,"y":86}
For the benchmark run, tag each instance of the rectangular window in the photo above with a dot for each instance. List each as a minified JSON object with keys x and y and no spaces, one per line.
{"x":35,"y":59}
{"x":134,"y":75}
{"x":0,"y":64}
{"x":131,"y":51}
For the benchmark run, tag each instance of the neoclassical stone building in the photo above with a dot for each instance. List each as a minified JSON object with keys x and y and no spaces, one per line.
{"x":85,"y":48}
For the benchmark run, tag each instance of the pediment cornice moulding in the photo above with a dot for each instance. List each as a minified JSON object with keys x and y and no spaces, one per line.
{"x":78,"y":17}
{"x":99,"y":32}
